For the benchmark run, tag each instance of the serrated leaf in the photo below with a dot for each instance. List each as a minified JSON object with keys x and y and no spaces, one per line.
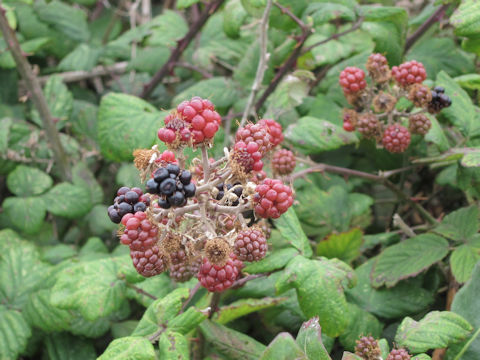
{"x":469,"y":81}
{"x":26,"y":213}
{"x":290,"y":228}
{"x":14,"y":333}
{"x":219,"y":90}
{"x":159,"y":285}
{"x":471,"y":159}
{"x":344,"y":246}
{"x":84,"y":120}
{"x":408,"y":258}
{"x":319,"y":285}
{"x":283,"y":347}
{"x":83,"y":177}
{"x":126,"y":123}
{"x":244,"y":307}
{"x":149,"y":59}
{"x":160,"y":312}
{"x":130,"y":347}
{"x":187,"y":321}
{"x":436,"y":330}
{"x":233,"y":17}
{"x":309,"y":339}
{"x":63,"y":346}
{"x":460,"y":224}
{"x":312,"y":136}
{"x":68,"y":20}
{"x":94,"y":245}
{"x":128,"y":175}
{"x":407,"y":297}
{"x":59,"y":100}
{"x":98,"y":221}
{"x":68,"y":200}
{"x":233,"y":344}
{"x":273,"y":261}
{"x":462,"y":262}
{"x":28,"y":181}
{"x":361,"y":323}
{"x":466,"y":19}
{"x":5,"y":124}
{"x":83,"y":57}
{"x":78,"y":287}
{"x":173,"y":346}
{"x":40,"y":313}
{"x":436,"y":134}
{"x":462,"y":112}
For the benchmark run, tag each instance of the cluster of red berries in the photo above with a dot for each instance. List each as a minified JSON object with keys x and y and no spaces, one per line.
{"x":283,"y":162}
{"x":272,"y":198}
{"x":193,"y":122}
{"x":367,"y":348}
{"x":409,"y":77}
{"x":217,"y":278}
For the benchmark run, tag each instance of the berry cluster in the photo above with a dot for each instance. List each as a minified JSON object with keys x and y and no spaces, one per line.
{"x":174,"y":186}
{"x":367,"y":348}
{"x":375,"y":115}
{"x":399,"y":354}
{"x":194,"y":122}
{"x":128,"y":201}
{"x":198,"y":223}
{"x":272,"y":198}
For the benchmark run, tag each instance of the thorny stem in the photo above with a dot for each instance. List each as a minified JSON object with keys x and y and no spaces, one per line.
{"x":190,"y":296}
{"x":244,"y":280}
{"x":141,"y":291}
{"x":38,"y":98}
{"x":183,"y":43}
{"x":262,"y":63}
{"x":206,"y":164}
{"x":214,"y":304}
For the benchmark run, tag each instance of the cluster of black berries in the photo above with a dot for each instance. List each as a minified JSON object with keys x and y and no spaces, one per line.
{"x":128,"y":201}
{"x":172,"y":184}
{"x":439,"y":101}
{"x":223,"y":188}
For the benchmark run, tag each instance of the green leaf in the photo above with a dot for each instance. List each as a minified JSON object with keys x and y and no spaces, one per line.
{"x":25,"y":213}
{"x":462,"y":112}
{"x":159,"y":285}
{"x":230,"y":343}
{"x":167,"y":29}
{"x":149,"y":59}
{"x":460,"y":225}
{"x":83,"y":177}
{"x":40,"y":313}
{"x":94,"y":245}
{"x":68,"y":200}
{"x":469,"y":81}
{"x":244,"y":307}
{"x":28,"y":47}
{"x":407,"y":297}
{"x":319,"y":285}
{"x":79,"y":287}
{"x":64,"y":346}
{"x":83,"y":57}
{"x":187,"y":321}
{"x":160,"y":312}
{"x":5,"y":125}
{"x":436,"y":134}
{"x":274,"y":261}
{"x":349,"y":356}
{"x":466,"y":19}
{"x":219,"y":90}
{"x":467,"y":304}
{"x":408,"y":259}
{"x":173,"y":346}
{"x":28,"y":181}
{"x":130,"y":347}
{"x":68,"y":20}
{"x":309,"y":339}
{"x":312,"y":135}
{"x":421,"y":357}
{"x":126,"y":123}
{"x":344,"y":246}
{"x":59,"y":100}
{"x":436,"y":330}
{"x":84,"y":120}
{"x":361,"y":323}
{"x":183,"y":4}
{"x":128,"y":175}
{"x":462,"y":262}
{"x":471,"y":159}
{"x":283,"y":347}
{"x":233,"y":17}
{"x":14,"y":333}
{"x":290,"y":228}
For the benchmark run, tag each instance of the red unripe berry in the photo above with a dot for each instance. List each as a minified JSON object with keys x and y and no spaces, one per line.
{"x":168,"y":156}
{"x":352,"y":79}
{"x":255,"y":133}
{"x":250,"y":245}
{"x":283,"y":162}
{"x":274,"y":129}
{"x":396,"y":138}
{"x":218,"y":278}
{"x":272,"y":198}
{"x":408,"y":73}
{"x":347,"y":126}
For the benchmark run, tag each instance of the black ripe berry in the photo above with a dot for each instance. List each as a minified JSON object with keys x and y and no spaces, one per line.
{"x":185,"y":177}
{"x":151,"y":186}
{"x":131,"y":197}
{"x":113,"y":215}
{"x":160,"y":175}
{"x":123,"y":190}
{"x":139,"y":206}
{"x":164,"y":204}
{"x":189,"y":190}
{"x":168,"y":187}
{"x":177,"y":199}
{"x":173,"y":169}
{"x":124,"y":208}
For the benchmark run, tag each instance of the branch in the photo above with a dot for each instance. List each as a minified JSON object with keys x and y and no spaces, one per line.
{"x":168,"y":67}
{"x":435,"y":17}
{"x":141,"y":291}
{"x":262,"y":62}
{"x":354,"y":27}
{"x":25,"y":70}
{"x":192,"y":67}
{"x":214,"y":304}
{"x":247,"y":278}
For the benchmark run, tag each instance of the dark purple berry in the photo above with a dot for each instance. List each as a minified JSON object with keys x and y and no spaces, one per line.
{"x":177,"y":199}
{"x":151,"y":186}
{"x":160,"y":174}
{"x":185,"y":177}
{"x":168,"y":187}
{"x":220,"y":195}
{"x":173,"y":169}
{"x":139,"y":206}
{"x":114,"y":216}
{"x":124,"y":208}
{"x":189,"y":190}
{"x":123,"y":190}
{"x":164,"y":204}
{"x":131,"y":197}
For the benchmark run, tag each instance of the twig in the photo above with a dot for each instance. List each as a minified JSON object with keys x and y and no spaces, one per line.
{"x":206,"y":164}
{"x":141,"y":291}
{"x":247,"y":278}
{"x":435,"y":17}
{"x":287,"y":11}
{"x":192,"y":67}
{"x":154,"y":337}
{"x":398,"y":222}
{"x":214,"y":304}
{"x":354,"y":27}
{"x":190,"y":297}
{"x":262,"y":62}
{"x":168,"y":67}
{"x":25,"y":70}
